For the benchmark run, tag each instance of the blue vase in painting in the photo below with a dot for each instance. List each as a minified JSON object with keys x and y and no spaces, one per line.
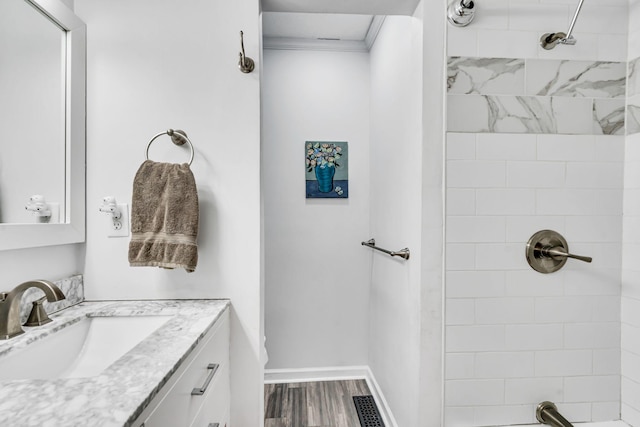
{"x":324,"y":175}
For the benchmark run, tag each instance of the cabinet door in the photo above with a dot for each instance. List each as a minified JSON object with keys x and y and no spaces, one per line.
{"x":188,"y":394}
{"x":215,"y":409}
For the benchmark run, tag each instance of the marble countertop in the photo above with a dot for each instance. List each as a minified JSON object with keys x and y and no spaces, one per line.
{"x":121,"y":392}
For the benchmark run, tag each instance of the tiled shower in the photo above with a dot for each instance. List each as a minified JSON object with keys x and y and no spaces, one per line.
{"x":541,"y":140}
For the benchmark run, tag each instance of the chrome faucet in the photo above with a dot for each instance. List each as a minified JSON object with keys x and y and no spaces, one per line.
{"x":10,"y":305}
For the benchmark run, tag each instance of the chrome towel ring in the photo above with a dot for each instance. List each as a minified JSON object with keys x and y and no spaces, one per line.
{"x":178,"y":137}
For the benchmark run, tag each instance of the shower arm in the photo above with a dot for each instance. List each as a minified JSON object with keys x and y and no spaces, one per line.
{"x":568,"y":39}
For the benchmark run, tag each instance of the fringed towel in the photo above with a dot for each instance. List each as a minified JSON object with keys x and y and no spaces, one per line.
{"x":164,"y":217}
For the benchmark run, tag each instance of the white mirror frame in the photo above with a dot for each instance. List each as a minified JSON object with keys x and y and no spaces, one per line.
{"x":17,"y":236}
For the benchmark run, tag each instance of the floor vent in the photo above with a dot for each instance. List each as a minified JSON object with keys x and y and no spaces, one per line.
{"x":368,"y":411}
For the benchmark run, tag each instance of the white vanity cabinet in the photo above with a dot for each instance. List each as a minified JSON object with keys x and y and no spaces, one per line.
{"x":197,"y":395}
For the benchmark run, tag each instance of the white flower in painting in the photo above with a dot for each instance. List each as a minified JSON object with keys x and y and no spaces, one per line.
{"x":340,"y":193}
{"x":338,"y":189}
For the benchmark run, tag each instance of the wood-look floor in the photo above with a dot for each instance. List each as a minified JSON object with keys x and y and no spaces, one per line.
{"x":313,"y":404}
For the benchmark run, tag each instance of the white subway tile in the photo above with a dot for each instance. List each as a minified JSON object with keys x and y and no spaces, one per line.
{"x":505,"y":201}
{"x":508,"y":256}
{"x":631,"y":204}
{"x":528,"y":390}
{"x":632,"y":173}
{"x":475,"y":174}
{"x":459,"y":311}
{"x":565,"y":202}
{"x":471,"y":284}
{"x":630,"y":393}
{"x":474,"y":392}
{"x":606,"y":362}
{"x":529,"y":16}
{"x":602,"y":19}
{"x":531,"y":283}
{"x":589,"y":281}
{"x":460,"y":256}
{"x":592,"y":335}
{"x":594,"y":175}
{"x":608,"y":202}
{"x":609,"y":148}
{"x":462,"y":41}
{"x":458,"y":416}
{"x":606,"y":308}
{"x":475,"y":338}
{"x":603,"y":388}
{"x":595,"y":228}
{"x":461,"y":146}
{"x":534,"y":337}
{"x":630,"y":338}
{"x":491,"y":311}
{"x":459,"y":366}
{"x":535,"y":174}
{"x":507,"y":44}
{"x":521,"y":228}
{"x":563,"y":363}
{"x":566,"y":147}
{"x":605,"y":411}
{"x":494,"y":15}
{"x":461,"y":201}
{"x":612,"y":47}
{"x":629,"y":414}
{"x":505,"y":365}
{"x":472,"y":229}
{"x":630,"y":366}
{"x":630,"y":308}
{"x":507,"y":146}
{"x":576,"y":412}
{"x":563,"y":309}
{"x":504,"y":415}
{"x":608,"y":256}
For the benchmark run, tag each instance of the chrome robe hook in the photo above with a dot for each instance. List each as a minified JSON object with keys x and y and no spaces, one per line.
{"x":245,"y":63}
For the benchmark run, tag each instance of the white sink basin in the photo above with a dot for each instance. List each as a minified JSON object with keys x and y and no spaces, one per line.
{"x":83,"y":349}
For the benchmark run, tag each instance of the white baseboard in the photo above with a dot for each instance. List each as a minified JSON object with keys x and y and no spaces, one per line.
{"x":272,"y":376}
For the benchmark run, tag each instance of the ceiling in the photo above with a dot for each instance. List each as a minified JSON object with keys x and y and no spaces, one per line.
{"x":315,"y":26}
{"x":362,"y":7}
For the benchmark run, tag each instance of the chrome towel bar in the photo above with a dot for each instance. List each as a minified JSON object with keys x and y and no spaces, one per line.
{"x":402,"y":253}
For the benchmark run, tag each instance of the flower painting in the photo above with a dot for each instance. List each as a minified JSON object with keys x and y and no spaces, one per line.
{"x":327,"y":169}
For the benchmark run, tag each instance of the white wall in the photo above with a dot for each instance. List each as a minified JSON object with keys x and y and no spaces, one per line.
{"x":515,"y":337}
{"x":317,"y":272}
{"x":396,"y":215}
{"x":158,"y":65}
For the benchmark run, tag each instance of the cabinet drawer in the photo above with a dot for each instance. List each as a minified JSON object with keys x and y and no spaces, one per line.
{"x":216,"y":406}
{"x":182,"y":402}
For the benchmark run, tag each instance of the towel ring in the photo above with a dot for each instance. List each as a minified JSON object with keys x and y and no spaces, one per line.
{"x":178,"y":137}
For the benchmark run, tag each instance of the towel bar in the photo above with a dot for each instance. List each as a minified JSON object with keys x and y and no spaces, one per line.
{"x":402,"y":253}
{"x":177,"y":136}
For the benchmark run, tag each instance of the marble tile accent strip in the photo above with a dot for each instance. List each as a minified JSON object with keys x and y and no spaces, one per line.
{"x":120,"y":393}
{"x":633,"y":78}
{"x":538,"y":96}
{"x":485,"y":76}
{"x":633,"y":119}
{"x":589,"y":79}
{"x":72,"y":287}
{"x":531,"y":114}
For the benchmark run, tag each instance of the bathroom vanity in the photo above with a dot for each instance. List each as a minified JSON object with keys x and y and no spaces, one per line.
{"x":120,"y":363}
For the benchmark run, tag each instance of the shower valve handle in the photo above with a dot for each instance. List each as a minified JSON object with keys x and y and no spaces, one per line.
{"x":558,"y":252}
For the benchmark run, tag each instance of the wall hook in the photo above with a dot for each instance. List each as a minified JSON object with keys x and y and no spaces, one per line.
{"x":110,"y":205}
{"x":245,"y":63}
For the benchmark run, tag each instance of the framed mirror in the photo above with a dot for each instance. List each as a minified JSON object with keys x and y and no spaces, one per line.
{"x":42,"y":153}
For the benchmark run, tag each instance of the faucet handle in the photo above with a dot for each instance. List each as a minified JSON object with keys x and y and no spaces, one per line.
{"x":38,"y":315}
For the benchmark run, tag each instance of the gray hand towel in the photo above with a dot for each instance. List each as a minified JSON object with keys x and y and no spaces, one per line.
{"x":164,"y":217}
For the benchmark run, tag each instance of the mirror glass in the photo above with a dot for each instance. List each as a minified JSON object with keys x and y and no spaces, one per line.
{"x":42,"y":116}
{"x":32,"y":115}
